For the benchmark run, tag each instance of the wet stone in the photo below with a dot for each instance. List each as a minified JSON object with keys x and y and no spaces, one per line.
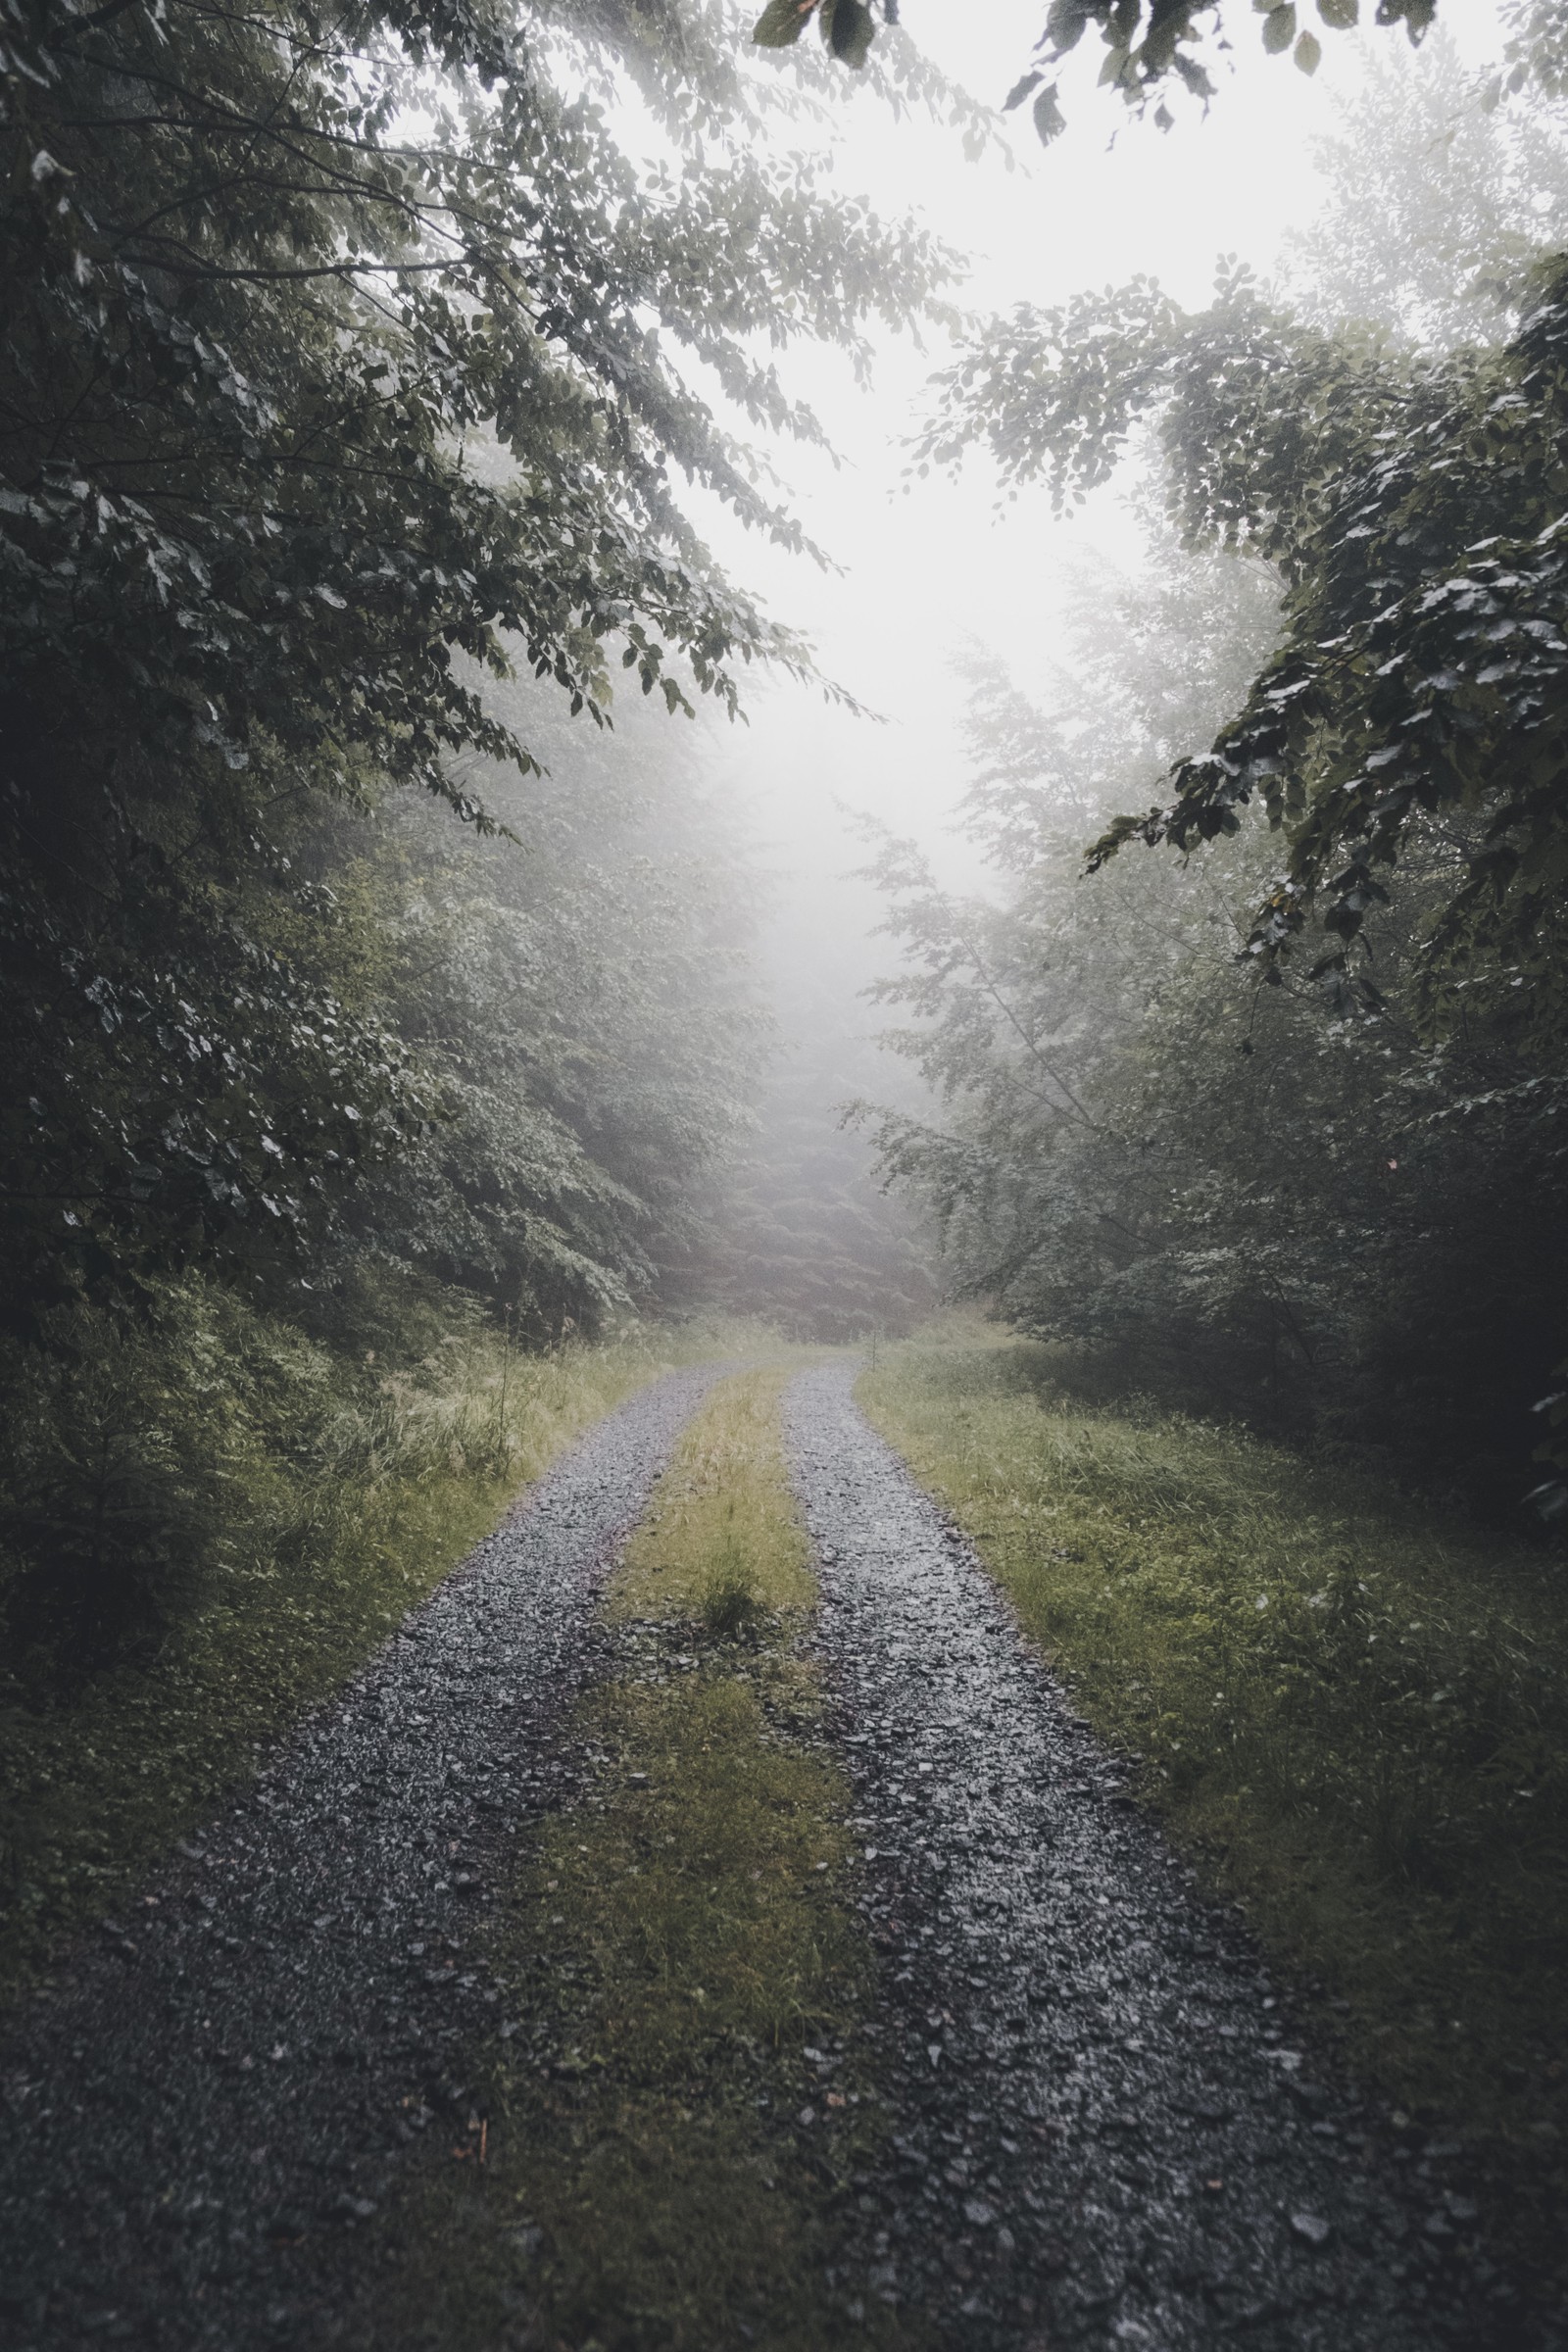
{"x":1093,"y":2116}
{"x":356,"y":1869}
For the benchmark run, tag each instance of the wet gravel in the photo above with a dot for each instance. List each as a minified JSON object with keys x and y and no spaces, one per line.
{"x":1109,"y":2130}
{"x":219,"y":2090}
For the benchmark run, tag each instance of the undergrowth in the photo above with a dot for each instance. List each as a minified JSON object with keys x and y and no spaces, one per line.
{"x":1357,"y":1710}
{"x":273,"y":1505}
{"x":683,"y":2107}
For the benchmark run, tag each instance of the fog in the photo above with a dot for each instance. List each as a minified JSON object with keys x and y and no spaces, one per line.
{"x":919,"y":571}
{"x":923,"y":567}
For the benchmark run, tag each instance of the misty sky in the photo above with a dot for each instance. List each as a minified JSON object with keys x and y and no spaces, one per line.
{"x":924,"y":569}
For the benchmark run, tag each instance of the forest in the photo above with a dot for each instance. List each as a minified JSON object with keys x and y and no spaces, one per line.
{"x":695,"y":706}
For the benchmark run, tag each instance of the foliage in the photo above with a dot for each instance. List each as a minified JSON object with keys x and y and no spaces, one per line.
{"x":353,"y":368}
{"x":346,"y":363}
{"x":1418,"y":697}
{"x":582,"y":1007}
{"x":1150,"y":45}
{"x":1432,"y":210}
{"x":1323,"y":1221}
{"x":571,"y":998}
{"x":1405,"y":735}
{"x":1356,"y":1715}
{"x":804,"y":1235}
{"x":126,"y":1451}
{"x":808,"y":1240}
{"x":1535,"y":55}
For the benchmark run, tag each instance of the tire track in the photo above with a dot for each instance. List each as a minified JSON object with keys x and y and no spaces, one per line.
{"x":228,"y":2081}
{"x":1107,"y":2134}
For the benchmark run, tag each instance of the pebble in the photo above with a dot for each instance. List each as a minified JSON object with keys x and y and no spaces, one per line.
{"x":1072,"y":2030}
{"x":338,"y":1930}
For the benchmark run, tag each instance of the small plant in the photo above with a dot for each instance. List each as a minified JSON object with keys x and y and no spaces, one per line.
{"x":730,"y":1603}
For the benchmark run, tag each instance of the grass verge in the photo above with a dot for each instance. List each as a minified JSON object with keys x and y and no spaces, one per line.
{"x":1356,"y":1710}
{"x":681,"y":2111}
{"x":317,"y":1559}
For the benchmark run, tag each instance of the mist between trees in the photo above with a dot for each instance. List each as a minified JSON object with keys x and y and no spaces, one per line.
{"x":378,"y":939}
{"x":1277,"y":1123}
{"x":359,"y":995}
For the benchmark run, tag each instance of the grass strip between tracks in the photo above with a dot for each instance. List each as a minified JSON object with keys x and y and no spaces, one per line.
{"x":1357,"y":1714}
{"x":680,"y":2109}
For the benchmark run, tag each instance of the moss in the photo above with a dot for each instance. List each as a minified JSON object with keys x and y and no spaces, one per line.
{"x":678,"y":1941}
{"x":1357,"y":1714}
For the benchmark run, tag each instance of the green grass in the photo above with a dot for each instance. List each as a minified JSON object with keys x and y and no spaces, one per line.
{"x":1356,"y":1711}
{"x":678,"y":1941}
{"x":317,"y":1559}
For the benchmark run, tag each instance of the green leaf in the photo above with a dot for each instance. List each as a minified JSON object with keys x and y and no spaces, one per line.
{"x":849,"y":29}
{"x":1341,"y":14}
{"x":1310,"y":53}
{"x":1279,"y":29}
{"x":1064,"y":23}
{"x":781,"y":23}
{"x":1049,"y":120}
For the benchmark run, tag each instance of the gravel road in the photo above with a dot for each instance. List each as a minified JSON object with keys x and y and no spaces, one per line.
{"x":1108,"y":2130}
{"x":1108,"y":2133}
{"x":224,"y":2084}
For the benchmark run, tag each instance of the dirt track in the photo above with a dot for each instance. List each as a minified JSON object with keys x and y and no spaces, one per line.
{"x":214,"y":2099}
{"x":1104,"y":2133}
{"x":1109,"y":2136}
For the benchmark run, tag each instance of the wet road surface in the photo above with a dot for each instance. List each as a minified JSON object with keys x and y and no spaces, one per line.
{"x":1107,"y":2135}
{"x":218,"y":2092}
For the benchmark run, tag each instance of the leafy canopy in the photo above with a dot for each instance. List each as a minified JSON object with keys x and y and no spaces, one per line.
{"x":1149,"y":45}
{"x":349,"y":359}
{"x":1414,"y":510}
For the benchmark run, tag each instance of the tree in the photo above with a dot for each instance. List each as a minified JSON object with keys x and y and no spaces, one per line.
{"x":1407,"y":734}
{"x":804,"y":1235}
{"x":1413,"y":508}
{"x":348,"y":360}
{"x":1434,"y":209}
{"x":1329,"y":1225}
{"x":575,"y":995}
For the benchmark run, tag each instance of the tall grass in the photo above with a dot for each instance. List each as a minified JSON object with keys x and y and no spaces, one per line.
{"x":277,"y":1506}
{"x":1356,"y":1708}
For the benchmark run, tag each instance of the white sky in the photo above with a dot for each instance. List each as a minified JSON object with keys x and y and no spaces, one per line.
{"x":925,"y":567}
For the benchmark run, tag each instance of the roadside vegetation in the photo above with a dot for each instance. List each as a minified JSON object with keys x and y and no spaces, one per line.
{"x":1269,"y":1119}
{"x":374,"y":1004}
{"x":683,"y":2105}
{"x":312,"y":1502}
{"x":1352,"y":1706}
{"x":384,"y":1039}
